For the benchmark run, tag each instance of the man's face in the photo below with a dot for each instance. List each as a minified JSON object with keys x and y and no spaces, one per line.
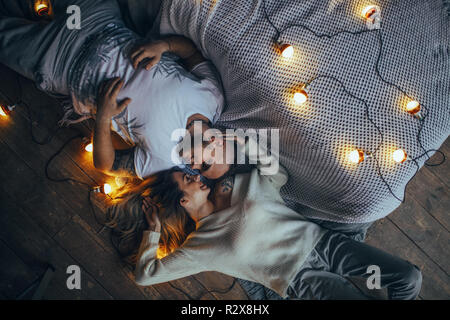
{"x":209,"y":158}
{"x":209,"y":167}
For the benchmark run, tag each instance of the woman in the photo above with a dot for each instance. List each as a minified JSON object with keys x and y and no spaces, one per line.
{"x":243,"y":229}
{"x":165,"y":84}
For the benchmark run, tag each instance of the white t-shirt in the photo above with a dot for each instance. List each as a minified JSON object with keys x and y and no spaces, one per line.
{"x":164,"y":97}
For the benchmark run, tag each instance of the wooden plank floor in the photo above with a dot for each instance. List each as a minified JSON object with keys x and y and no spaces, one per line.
{"x":42,"y":222}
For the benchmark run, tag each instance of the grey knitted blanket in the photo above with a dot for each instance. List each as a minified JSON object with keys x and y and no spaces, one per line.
{"x":414,"y":59}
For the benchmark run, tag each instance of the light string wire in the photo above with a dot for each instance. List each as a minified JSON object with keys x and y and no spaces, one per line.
{"x":46,"y":141}
{"x":421,"y":121}
{"x":52,"y":133}
{"x":279,"y":33}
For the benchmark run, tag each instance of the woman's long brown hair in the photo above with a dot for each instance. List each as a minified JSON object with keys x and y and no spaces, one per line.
{"x":176,"y":224}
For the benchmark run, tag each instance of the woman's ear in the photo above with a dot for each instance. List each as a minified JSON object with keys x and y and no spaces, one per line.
{"x":184,"y":202}
{"x":213,"y":141}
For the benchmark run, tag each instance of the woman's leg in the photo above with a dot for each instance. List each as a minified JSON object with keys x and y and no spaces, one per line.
{"x":316,"y":284}
{"x":356,"y":231}
{"x":349,"y":258}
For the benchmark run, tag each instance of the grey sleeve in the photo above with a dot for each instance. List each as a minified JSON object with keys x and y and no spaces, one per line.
{"x":206,"y":70}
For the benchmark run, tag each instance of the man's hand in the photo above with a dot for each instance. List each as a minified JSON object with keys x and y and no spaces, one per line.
{"x":151,"y":214}
{"x":152,"y":51}
{"x":108,"y":107}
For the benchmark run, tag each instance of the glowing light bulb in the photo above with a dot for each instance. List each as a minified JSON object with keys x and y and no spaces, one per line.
{"x":369,"y":11}
{"x":300,"y":97}
{"x":356,"y":156}
{"x":3,"y":112}
{"x":89,"y":147}
{"x":413,"y":107}
{"x":372,"y":14}
{"x":107,"y":188}
{"x":399,"y":156}
{"x":42,"y":8}
{"x":287,"y":51}
{"x":6,"y":110}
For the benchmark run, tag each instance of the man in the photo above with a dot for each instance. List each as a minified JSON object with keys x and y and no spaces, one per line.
{"x":151,"y":103}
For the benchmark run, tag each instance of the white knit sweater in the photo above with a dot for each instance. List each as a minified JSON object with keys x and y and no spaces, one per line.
{"x":258,"y":239}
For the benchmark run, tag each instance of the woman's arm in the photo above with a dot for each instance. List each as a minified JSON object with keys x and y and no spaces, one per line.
{"x":151,"y":270}
{"x":108,"y":107}
{"x":181,"y":46}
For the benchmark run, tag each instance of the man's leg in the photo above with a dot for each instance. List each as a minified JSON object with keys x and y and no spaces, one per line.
{"x":44,"y":52}
{"x":23,"y":43}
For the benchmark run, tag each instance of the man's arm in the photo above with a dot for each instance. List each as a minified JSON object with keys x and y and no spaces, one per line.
{"x":186,"y":50}
{"x":104,"y":152}
{"x":181,"y":46}
{"x":108,"y":107}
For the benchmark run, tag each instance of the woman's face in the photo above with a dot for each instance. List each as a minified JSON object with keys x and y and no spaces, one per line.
{"x":195,"y":193}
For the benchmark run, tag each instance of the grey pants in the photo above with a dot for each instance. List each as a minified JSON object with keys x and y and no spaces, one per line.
{"x":43,"y":52}
{"x":356,"y":231}
{"x":337,"y":256}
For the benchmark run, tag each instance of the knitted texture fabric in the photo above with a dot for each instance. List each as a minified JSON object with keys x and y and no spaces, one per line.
{"x":315,"y":138}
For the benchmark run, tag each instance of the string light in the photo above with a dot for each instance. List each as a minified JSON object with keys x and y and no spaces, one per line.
{"x":413,"y":107}
{"x":301,"y":96}
{"x":87,"y":144}
{"x":286,"y":50}
{"x":42,"y":7}
{"x":6,"y":110}
{"x":356,"y":156}
{"x":2,"y":112}
{"x":369,"y":11}
{"x":399,"y":156}
{"x":372,"y":14}
{"x":105,"y":189}
{"x":89,"y":148}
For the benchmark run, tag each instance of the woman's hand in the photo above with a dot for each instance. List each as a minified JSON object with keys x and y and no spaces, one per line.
{"x":152,"y":51}
{"x":108,"y":107}
{"x":151,"y":214}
